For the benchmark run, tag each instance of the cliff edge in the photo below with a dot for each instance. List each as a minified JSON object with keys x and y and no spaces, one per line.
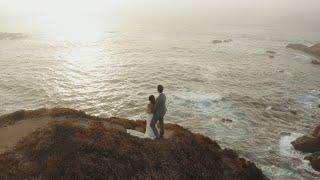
{"x":63,"y":143}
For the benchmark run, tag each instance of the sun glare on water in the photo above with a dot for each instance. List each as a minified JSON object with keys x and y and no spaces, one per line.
{"x":76,"y":21}
{"x":76,"y":30}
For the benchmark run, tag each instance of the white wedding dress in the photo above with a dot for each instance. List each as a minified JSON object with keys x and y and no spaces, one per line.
{"x":149,"y":132}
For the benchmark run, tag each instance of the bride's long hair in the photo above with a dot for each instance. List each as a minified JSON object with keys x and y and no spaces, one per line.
{"x":152,"y":99}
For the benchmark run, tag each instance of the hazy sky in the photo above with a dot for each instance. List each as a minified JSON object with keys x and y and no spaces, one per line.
{"x":175,"y":11}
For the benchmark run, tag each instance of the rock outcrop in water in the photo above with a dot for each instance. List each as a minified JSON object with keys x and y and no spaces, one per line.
{"x":217,"y":41}
{"x":222,"y":41}
{"x":310,"y":143}
{"x":74,"y":145}
{"x":313,"y":50}
{"x":271,"y":52}
{"x":316,"y":62}
{"x":314,"y":159}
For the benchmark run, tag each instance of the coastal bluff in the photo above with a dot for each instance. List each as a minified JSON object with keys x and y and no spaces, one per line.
{"x":62,"y":143}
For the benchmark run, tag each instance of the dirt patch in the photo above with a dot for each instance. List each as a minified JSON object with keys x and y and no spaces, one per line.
{"x":12,"y":134}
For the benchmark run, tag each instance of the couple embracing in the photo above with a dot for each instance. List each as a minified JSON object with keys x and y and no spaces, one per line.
{"x":156,"y":110}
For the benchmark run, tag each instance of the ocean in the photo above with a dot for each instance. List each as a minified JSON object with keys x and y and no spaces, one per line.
{"x":269,"y":98}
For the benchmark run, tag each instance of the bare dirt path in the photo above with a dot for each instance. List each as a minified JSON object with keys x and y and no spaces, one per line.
{"x":11,"y":134}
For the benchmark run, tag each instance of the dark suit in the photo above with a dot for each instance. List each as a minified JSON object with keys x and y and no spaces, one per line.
{"x":159,"y":111}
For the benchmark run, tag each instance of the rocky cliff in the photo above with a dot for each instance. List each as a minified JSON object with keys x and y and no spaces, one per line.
{"x":74,"y":145}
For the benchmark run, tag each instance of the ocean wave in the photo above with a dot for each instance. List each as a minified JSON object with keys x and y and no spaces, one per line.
{"x":310,"y":99}
{"x":285,"y":147}
{"x":200,"y":100}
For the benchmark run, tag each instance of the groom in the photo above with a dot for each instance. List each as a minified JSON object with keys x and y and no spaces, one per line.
{"x":159,"y":111}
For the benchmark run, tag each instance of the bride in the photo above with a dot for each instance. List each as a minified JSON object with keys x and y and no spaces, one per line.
{"x":149,"y":132}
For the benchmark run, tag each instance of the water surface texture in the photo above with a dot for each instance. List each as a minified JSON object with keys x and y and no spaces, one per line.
{"x":270,"y":101}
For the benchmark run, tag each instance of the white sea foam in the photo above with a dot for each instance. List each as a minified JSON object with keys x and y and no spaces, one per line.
{"x":199,"y":99}
{"x":309,"y":99}
{"x":286,"y":148}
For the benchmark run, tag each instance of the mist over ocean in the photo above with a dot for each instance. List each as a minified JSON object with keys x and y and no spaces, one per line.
{"x":111,"y":70}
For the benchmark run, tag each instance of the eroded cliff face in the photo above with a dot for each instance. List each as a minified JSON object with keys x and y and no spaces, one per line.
{"x":74,"y":145}
{"x":310,"y":143}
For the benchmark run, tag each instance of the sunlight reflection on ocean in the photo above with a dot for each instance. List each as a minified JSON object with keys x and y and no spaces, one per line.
{"x":112,"y":73}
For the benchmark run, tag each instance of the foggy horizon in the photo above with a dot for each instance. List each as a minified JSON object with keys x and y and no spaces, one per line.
{"x":36,"y":13}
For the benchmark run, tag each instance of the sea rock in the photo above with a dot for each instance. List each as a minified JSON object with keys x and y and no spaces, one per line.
{"x":316,"y":62}
{"x":313,"y":50}
{"x":285,"y":133}
{"x":227,"y":40}
{"x":294,"y":112}
{"x":75,"y":145}
{"x":314,"y":159}
{"x":222,"y":41}
{"x":217,"y":41}
{"x":300,"y":47}
{"x":226,"y":120}
{"x":308,"y":143}
{"x":271,"y":52}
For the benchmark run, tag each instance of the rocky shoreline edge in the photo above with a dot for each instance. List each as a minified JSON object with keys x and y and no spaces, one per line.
{"x":310,"y":143}
{"x":313,"y":50}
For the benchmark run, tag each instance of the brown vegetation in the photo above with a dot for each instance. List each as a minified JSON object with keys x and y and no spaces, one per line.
{"x":65,"y":149}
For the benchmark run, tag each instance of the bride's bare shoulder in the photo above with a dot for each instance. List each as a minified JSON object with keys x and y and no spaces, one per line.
{"x":150,"y":108}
